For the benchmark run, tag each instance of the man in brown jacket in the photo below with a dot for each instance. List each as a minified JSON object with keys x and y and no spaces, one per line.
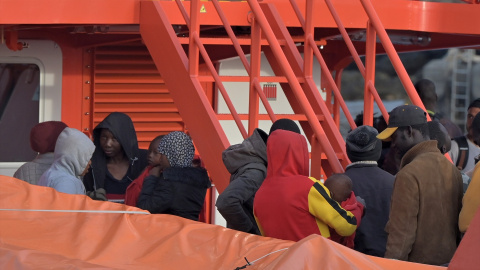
{"x":427,"y":193}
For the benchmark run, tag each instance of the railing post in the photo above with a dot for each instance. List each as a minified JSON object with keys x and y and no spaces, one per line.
{"x":296,"y":87}
{"x":255,"y":65}
{"x":308,"y":50}
{"x":336,"y":103}
{"x":370,"y":53}
{"x":193,"y":52}
{"x":392,"y":54}
{"x":316,"y":158}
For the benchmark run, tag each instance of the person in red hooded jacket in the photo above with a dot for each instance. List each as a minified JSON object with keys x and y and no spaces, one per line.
{"x":290,"y":205}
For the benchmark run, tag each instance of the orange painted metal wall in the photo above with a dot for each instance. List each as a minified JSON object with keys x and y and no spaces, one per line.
{"x":72,"y":91}
{"x":126,"y":80}
{"x":120,"y":77}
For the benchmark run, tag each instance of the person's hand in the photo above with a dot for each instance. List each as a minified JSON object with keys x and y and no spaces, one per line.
{"x":361,"y":200}
{"x":99,"y":194}
{"x":156,"y":171}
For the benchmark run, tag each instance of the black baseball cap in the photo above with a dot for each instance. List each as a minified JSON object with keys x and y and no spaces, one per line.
{"x":403,"y":116}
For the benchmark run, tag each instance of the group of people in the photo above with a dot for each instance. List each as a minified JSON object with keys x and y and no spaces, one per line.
{"x":417,"y":214}
{"x":271,"y":193}
{"x":165,"y":179}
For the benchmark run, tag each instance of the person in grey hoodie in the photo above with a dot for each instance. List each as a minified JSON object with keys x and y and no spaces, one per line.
{"x":247,"y":164}
{"x":73,"y":151}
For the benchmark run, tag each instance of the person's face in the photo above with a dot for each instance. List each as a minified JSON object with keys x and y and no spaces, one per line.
{"x":164,"y":163}
{"x":471,"y":113}
{"x":154,"y":157}
{"x":110,"y":146}
{"x":402,"y":141}
{"x":86,"y":168}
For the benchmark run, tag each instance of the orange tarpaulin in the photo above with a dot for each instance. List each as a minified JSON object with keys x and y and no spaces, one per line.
{"x":44,"y":229}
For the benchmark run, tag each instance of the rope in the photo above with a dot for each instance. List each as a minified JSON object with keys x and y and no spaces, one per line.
{"x":78,"y":211}
{"x":252,"y":262}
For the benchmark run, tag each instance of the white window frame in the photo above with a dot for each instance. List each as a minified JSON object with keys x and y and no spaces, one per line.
{"x":47,"y":55}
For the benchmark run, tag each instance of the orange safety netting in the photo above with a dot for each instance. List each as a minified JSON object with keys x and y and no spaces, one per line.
{"x":41,"y":228}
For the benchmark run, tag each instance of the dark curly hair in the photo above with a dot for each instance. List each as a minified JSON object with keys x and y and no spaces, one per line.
{"x":475,"y":104}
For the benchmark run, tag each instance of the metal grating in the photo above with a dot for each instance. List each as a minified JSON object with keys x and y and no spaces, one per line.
{"x":126,"y":80}
{"x":270,"y":91}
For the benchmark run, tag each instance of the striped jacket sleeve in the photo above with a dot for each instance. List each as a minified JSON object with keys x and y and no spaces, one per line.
{"x":329,"y":212}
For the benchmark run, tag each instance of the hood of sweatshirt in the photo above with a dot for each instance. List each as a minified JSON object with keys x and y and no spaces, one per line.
{"x":73,"y":151}
{"x":287,"y":154}
{"x":121,"y":126}
{"x":251,"y":150}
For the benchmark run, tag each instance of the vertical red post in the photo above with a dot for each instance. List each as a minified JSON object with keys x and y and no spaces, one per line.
{"x":336,"y":103}
{"x":255,"y":66}
{"x":371,"y":41}
{"x":308,"y":29}
{"x":87,"y":92}
{"x":193,"y":52}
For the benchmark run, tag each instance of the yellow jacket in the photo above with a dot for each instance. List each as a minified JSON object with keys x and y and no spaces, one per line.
{"x":471,"y":200}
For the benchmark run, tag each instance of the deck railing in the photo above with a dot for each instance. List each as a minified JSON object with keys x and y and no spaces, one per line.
{"x":319,"y":117}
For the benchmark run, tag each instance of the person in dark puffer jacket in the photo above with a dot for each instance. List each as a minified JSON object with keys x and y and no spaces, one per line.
{"x":247,"y":164}
{"x":175,"y":187}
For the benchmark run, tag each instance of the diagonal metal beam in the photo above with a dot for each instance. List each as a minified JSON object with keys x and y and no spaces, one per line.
{"x":307,"y":97}
{"x":186,"y":91}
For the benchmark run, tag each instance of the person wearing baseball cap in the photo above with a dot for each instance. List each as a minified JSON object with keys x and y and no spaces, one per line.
{"x":427,"y":192}
{"x":403,"y":116}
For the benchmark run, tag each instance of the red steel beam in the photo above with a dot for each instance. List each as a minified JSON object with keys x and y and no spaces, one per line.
{"x":392,"y":54}
{"x":297,"y":89}
{"x":369,"y":74}
{"x":255,"y":68}
{"x":395,"y":14}
{"x":196,"y":111}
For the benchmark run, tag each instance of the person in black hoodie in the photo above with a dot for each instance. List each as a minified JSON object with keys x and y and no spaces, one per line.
{"x":175,"y":186}
{"x":117,"y":160}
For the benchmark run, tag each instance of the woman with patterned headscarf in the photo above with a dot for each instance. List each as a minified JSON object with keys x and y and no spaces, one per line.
{"x":175,"y":187}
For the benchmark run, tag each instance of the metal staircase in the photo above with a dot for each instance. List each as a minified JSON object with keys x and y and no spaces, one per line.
{"x":185,"y":43}
{"x":461,"y":85}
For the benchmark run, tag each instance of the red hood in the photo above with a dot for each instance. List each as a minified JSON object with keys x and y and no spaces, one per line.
{"x":287,"y":154}
{"x":351,"y":204}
